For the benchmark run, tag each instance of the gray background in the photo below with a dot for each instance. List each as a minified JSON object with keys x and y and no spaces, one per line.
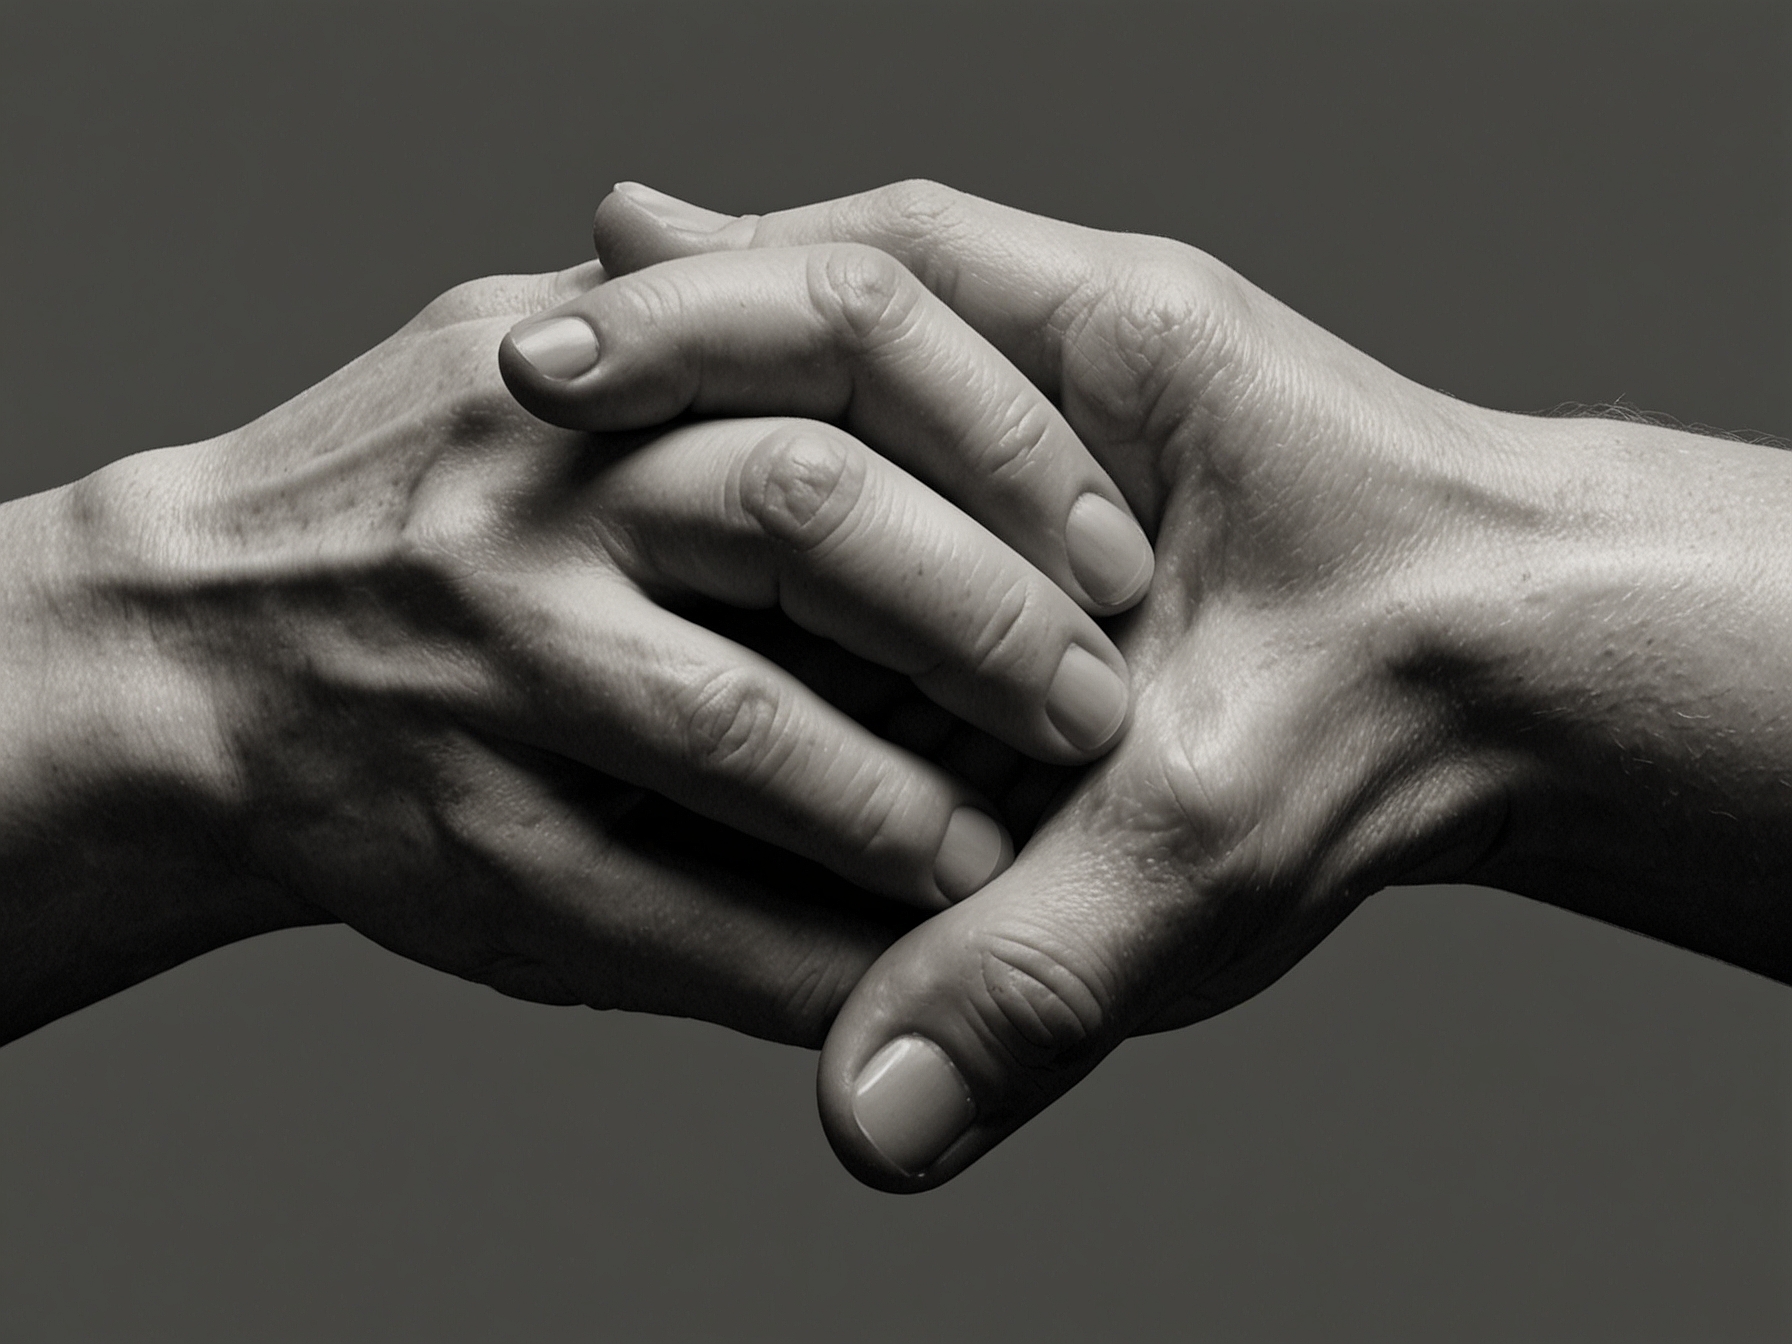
{"x":1464,"y":1118}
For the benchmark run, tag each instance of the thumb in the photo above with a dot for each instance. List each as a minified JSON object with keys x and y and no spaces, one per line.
{"x":983,"y":1016}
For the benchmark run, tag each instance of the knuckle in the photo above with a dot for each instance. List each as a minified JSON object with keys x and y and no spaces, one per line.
{"x":453,"y":305}
{"x":1155,"y":325}
{"x":730,"y":724}
{"x":488,"y":296}
{"x":1003,"y":631}
{"x":1152,"y":324}
{"x":800,"y":485}
{"x":919,"y":220}
{"x":918,"y":206}
{"x":866,"y":294}
{"x":1208,"y":806}
{"x":1017,"y":444}
{"x":1186,"y":301}
{"x":442,"y":547}
{"x":1037,"y":1001}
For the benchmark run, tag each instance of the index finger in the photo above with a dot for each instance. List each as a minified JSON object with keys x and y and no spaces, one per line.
{"x":1021,"y":280}
{"x":844,"y":333}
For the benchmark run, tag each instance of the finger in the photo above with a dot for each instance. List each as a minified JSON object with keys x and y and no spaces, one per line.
{"x":982,"y":1016}
{"x":645,"y":906}
{"x":1021,"y":280}
{"x":840,"y":333}
{"x":729,"y":929}
{"x":632,"y":690}
{"x":798,"y":514}
{"x":889,"y":705}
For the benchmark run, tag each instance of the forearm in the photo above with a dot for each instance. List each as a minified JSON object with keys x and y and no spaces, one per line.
{"x":1639,"y":683}
{"x":112,"y":863}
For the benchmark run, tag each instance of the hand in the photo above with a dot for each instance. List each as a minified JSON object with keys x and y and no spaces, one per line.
{"x":399,"y":655}
{"x":1392,"y":638}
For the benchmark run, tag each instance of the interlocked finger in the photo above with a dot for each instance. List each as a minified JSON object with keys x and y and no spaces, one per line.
{"x":654,"y":700}
{"x":840,"y":332}
{"x":799,"y":515}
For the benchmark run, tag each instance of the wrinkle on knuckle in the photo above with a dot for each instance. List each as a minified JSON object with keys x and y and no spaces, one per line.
{"x":1004,"y":629}
{"x":1017,"y":447}
{"x":1157,"y":337}
{"x":1208,"y":807}
{"x":918,"y":207}
{"x":800,"y":486}
{"x":731,"y":723}
{"x":1035,"y":999}
{"x":1132,"y":344}
{"x":865,"y":295}
{"x":923,"y":221}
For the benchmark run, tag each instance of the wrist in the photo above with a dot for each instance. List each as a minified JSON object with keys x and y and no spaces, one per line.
{"x":114,"y":826}
{"x":1631,"y":633}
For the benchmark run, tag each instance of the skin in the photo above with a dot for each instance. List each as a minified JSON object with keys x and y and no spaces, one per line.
{"x":506,"y":698}
{"x":1392,"y":638}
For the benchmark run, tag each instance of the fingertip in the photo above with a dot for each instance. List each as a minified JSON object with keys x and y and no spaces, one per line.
{"x":1088,"y":701}
{"x":975,"y":849}
{"x":669,"y":211}
{"x":900,"y":1118}
{"x":1109,"y":553}
{"x":636,"y":226}
{"x":910,"y":1104}
{"x":557,"y":347}
{"x":542,"y":360}
{"x":626,"y":238}
{"x":979,"y":1018}
{"x":519,"y":376}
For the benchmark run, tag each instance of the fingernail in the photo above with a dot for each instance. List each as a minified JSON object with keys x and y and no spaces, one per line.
{"x":975,"y":849}
{"x":1087,"y":702}
{"x":1109,"y":553}
{"x":560,"y":347}
{"x":911,"y":1103}
{"x":671,"y":211}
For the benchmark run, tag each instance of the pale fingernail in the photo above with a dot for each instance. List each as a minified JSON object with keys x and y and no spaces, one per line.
{"x":1087,"y":701}
{"x":560,"y":348}
{"x":975,"y":849}
{"x":671,"y":211}
{"x":911,"y":1103}
{"x":1109,"y":553}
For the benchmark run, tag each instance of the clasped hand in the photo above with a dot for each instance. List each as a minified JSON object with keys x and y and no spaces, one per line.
{"x":400,"y":655}
{"x":720,"y":680}
{"x":1275,"y":771}
{"x":1391,"y":638}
